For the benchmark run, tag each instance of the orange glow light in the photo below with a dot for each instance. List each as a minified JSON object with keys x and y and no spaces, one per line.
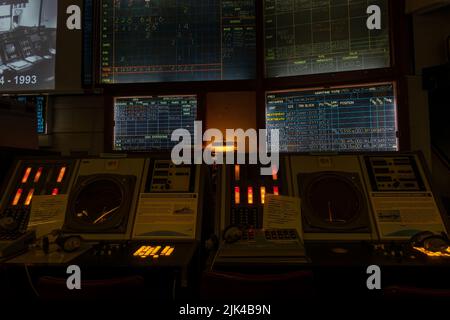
{"x":26,"y":175}
{"x":263,"y":195}
{"x":445,"y":254}
{"x":276,"y":191}
{"x":17,"y":197}
{"x":61,"y":175}
{"x":29,"y":197}
{"x":237,"y":195}
{"x":38,"y":175}
{"x":250,"y":195}
{"x":275,"y":174}
{"x":237,"y":172}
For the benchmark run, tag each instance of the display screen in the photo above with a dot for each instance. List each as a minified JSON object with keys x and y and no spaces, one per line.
{"x":183,"y":40}
{"x":27,"y":45}
{"x":40,"y":103}
{"x":344,"y":119}
{"x":147,"y":123}
{"x":304,"y":37}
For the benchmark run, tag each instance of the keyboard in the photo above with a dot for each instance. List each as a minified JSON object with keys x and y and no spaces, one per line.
{"x":33,"y":59}
{"x":265,"y":244}
{"x":19,"y":65}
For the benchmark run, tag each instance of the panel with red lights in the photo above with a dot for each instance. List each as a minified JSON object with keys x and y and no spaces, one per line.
{"x":248,"y":190}
{"x":32,"y":178}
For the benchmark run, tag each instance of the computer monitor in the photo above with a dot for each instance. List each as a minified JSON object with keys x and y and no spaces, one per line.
{"x":315,"y":37}
{"x":185,"y":40}
{"x":11,"y":52}
{"x":147,"y":123}
{"x":337,"y":119}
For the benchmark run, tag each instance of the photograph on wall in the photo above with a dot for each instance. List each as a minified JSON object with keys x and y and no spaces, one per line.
{"x":27,"y":45}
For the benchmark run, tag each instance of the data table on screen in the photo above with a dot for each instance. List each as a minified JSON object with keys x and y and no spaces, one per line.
{"x":334,"y":120}
{"x":147,"y":123}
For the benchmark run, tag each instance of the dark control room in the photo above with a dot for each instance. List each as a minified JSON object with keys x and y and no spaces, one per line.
{"x":224,"y":158}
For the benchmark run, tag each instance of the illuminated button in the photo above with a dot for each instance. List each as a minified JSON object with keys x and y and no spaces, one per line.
{"x":155,"y":251}
{"x":29,"y":197}
{"x":17,"y":197}
{"x":169,"y":253}
{"x":165,"y":250}
{"x":276,"y":191}
{"x":237,"y":195}
{"x":26,"y":175}
{"x":38,"y":175}
{"x":250,"y":195}
{"x":55,"y":192}
{"x":263,"y":195}
{"x":62,"y":173}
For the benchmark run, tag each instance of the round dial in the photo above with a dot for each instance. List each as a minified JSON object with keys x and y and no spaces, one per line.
{"x":98,"y":202}
{"x":334,"y":200}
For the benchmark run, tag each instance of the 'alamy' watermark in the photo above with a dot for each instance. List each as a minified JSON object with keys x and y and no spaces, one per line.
{"x":217,"y":153}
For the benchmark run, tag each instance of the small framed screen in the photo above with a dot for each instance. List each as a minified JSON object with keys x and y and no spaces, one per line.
{"x":339,"y":119}
{"x":147,"y":123}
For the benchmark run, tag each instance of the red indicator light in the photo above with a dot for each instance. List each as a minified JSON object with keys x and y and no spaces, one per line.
{"x":61,"y":174}
{"x":38,"y":175}
{"x":276,"y":191}
{"x":29,"y":197}
{"x":237,"y":195}
{"x":250,"y":195}
{"x":26,"y":175}
{"x":17,"y":197}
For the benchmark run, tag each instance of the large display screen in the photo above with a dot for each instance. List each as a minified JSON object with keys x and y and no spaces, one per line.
{"x":341,"y":119}
{"x":182,"y":40}
{"x":27,"y":45}
{"x":147,"y":123}
{"x":304,"y":37}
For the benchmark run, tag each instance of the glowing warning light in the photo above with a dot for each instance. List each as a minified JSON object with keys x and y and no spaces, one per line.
{"x":250,"y":195}
{"x":263,"y":195}
{"x":55,"y":192}
{"x":38,"y":175}
{"x":17,"y":197}
{"x":61,"y":174}
{"x":237,"y":172}
{"x":29,"y":197}
{"x":237,"y":195}
{"x":26,"y":175}
{"x":276,"y":191}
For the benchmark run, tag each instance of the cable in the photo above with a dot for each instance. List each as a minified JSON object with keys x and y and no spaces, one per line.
{"x":30,"y":282}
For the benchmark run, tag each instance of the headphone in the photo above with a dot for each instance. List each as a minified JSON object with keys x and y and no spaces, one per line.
{"x":431,"y":243}
{"x":68,"y":244}
{"x":233,"y":234}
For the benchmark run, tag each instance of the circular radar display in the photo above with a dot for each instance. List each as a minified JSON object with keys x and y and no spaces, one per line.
{"x":98,"y":202}
{"x":334,"y":199}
